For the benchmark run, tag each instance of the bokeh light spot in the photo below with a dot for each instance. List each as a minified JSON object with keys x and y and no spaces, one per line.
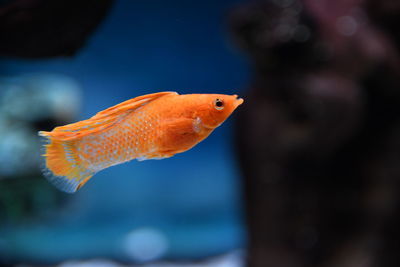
{"x":145,"y":244}
{"x":346,"y":25}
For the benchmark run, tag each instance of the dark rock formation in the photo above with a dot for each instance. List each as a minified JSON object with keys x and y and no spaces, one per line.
{"x":47,"y":28}
{"x":319,"y":134}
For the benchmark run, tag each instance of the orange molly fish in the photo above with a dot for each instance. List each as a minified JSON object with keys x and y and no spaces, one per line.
{"x":152,"y":126}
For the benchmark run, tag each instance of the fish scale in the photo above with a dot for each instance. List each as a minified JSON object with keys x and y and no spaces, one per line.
{"x":123,"y":142}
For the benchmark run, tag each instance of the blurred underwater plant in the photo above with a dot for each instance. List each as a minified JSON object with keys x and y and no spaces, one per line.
{"x":28,"y":103}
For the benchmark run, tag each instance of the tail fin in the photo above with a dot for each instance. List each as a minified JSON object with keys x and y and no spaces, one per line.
{"x":62,"y":165}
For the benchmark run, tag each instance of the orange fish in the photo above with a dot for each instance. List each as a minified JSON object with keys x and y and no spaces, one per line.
{"x":153,"y":126}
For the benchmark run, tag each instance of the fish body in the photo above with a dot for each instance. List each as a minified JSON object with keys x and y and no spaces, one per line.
{"x":153,"y":126}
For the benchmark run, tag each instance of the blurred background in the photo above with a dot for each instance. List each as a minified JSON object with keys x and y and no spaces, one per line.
{"x":305,"y":173}
{"x":63,"y":61}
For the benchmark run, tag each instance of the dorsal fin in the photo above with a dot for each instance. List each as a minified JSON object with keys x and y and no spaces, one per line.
{"x":103,"y":119}
{"x":131,"y":104}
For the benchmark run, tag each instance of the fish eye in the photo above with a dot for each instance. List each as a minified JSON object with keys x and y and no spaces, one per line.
{"x":218,"y":104}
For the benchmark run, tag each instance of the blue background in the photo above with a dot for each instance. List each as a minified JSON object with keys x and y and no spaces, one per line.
{"x":193,"y":199}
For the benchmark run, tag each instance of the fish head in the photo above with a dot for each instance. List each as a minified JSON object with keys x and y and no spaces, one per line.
{"x":214,"y":109}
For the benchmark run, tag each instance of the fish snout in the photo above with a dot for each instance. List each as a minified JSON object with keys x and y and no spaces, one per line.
{"x":238,"y":101}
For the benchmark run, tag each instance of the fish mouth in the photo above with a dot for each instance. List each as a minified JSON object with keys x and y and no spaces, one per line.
{"x":238,"y":101}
